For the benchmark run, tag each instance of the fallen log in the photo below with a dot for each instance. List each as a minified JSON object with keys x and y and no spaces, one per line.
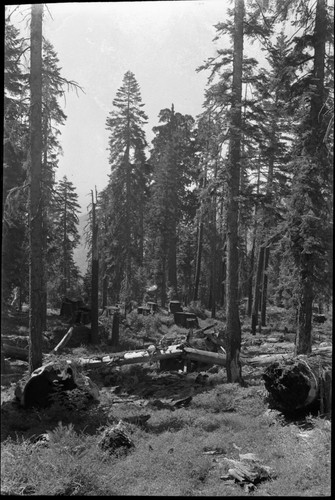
{"x":205,"y":356}
{"x":10,"y":351}
{"x":297,"y":383}
{"x":132,"y":357}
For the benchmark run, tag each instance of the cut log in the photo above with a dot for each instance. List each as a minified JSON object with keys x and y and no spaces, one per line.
{"x":10,"y":351}
{"x":186,"y":319}
{"x":295,"y":383}
{"x":132,"y":357}
{"x":212,"y":358}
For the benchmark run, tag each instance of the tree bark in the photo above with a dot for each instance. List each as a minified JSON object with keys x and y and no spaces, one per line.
{"x":258,"y":280}
{"x":233,"y":328}
{"x":264,"y":296}
{"x":95,"y":278}
{"x":198,"y":260}
{"x":115,"y":330}
{"x":36,"y":276}
{"x":303,"y":342}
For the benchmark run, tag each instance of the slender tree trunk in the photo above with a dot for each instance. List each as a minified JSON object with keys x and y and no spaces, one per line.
{"x":252,"y":257}
{"x":172,"y":259}
{"x":233,"y":328}
{"x":95,"y":278}
{"x":36,"y":276}
{"x":214,"y":277}
{"x":265,"y":285}
{"x":163,"y":280}
{"x":251,"y":274}
{"x":257,"y":290}
{"x":65,"y":256}
{"x":45,"y":223}
{"x":200,"y":233}
{"x":199,"y":255}
{"x":141,"y":225}
{"x":104,"y":291}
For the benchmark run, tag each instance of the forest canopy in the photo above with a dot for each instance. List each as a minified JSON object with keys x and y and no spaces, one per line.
{"x":230,"y":207}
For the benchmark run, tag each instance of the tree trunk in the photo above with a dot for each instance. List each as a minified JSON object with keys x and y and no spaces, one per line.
{"x":265,"y":286}
{"x":45,"y":222}
{"x":200,"y":236}
{"x":214,"y":238}
{"x":104,"y":291}
{"x":172,"y":260}
{"x":95,"y":278}
{"x":250,"y":278}
{"x":252,"y":256}
{"x":303,"y":342}
{"x":233,"y":327}
{"x":36,"y":277}
{"x":115,"y":330}
{"x":258,"y":280}
{"x":198,"y":260}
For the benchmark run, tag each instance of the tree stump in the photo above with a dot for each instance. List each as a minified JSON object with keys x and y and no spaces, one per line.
{"x":299,"y":383}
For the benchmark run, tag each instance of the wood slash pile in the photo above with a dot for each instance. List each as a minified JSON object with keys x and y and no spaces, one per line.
{"x":248,"y":472}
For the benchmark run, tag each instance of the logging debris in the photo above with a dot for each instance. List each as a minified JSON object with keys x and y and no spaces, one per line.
{"x":114,"y":438}
{"x":248,"y":471}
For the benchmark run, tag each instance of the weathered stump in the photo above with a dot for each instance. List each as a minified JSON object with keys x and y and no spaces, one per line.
{"x":175,"y":306}
{"x":186,"y":319}
{"x":298,"y":383}
{"x":145,"y":311}
{"x":153,"y":306}
{"x":49,"y":379}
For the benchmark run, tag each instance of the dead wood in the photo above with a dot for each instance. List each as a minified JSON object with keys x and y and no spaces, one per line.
{"x":205,"y":356}
{"x":248,"y":471}
{"x":298,"y":383}
{"x":64,"y":341}
{"x":10,"y":351}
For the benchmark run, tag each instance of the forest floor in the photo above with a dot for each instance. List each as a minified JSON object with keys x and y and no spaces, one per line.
{"x":179,"y":449}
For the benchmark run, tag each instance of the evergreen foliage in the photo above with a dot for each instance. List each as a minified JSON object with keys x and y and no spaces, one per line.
{"x":125,"y":195}
{"x":63,"y":272}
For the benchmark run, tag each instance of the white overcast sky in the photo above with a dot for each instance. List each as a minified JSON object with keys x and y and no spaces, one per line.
{"x":161,"y":42}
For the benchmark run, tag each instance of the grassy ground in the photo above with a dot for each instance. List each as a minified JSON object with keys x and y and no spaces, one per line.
{"x":169,"y":457}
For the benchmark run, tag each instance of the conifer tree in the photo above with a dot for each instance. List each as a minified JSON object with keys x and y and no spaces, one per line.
{"x":15,"y":185}
{"x":171,"y":160}
{"x":308,"y":219}
{"x":127,"y":180}
{"x":65,"y":210}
